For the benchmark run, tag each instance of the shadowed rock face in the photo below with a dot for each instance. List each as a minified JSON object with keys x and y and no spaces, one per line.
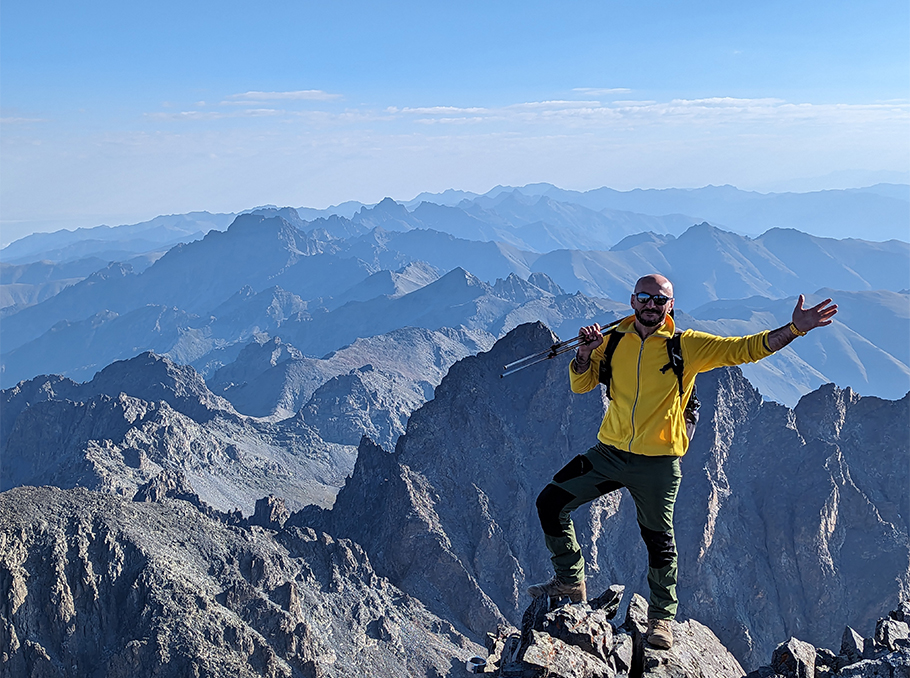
{"x":96,"y":585}
{"x":788,"y":523}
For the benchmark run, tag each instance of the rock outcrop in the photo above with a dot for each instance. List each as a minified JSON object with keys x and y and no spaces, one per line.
{"x":584,"y":640}
{"x":93,"y":584}
{"x":885,"y":655}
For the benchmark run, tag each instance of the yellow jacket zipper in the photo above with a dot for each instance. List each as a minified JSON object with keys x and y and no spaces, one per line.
{"x":641,"y":350}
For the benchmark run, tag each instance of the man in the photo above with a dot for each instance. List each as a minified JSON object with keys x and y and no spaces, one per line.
{"x":643,"y":435}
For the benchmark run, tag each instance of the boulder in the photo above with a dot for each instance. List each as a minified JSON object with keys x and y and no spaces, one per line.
{"x":582,"y":640}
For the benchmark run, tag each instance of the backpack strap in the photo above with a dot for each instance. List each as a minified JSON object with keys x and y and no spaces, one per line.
{"x":606,"y":364}
{"x":675,"y":363}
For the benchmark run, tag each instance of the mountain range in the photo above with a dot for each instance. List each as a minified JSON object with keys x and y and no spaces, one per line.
{"x":790,"y":522}
{"x":320,"y":289}
{"x":278,"y":443}
{"x":538,"y":216}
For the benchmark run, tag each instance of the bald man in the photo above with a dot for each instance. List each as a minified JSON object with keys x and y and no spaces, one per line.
{"x":643,"y":435}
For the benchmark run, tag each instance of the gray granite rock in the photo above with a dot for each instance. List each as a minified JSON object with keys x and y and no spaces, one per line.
{"x":794,"y":659}
{"x":97,"y":585}
{"x":887,"y":655}
{"x":578,"y":641}
{"x":889,"y":633}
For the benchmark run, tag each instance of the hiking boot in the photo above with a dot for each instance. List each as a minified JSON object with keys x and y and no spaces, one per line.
{"x":660,"y":633}
{"x":555,"y":589}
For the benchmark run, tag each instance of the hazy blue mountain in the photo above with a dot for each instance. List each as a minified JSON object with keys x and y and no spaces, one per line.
{"x":486,"y":260}
{"x":64,"y":245}
{"x":196,"y":277}
{"x":456,"y":299}
{"x":109,"y":289}
{"x":80,"y":348}
{"x":537,"y":224}
{"x":456,"y":221}
{"x":317,"y":292}
{"x":836,"y":214}
{"x":875,"y":362}
{"x":29,"y":284}
{"x":900,"y":191}
{"x":707,"y":263}
{"x":582,"y":228}
{"x":345,"y":209}
{"x":389,"y":215}
{"x":407,"y":279}
{"x":877,"y":212}
{"x":335,"y":227}
{"x":248,"y":313}
{"x":255,"y":250}
{"x":861,"y":264}
{"x":47,"y":271}
{"x":450,"y":197}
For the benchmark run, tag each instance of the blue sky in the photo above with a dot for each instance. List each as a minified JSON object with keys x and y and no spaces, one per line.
{"x":116,"y":112}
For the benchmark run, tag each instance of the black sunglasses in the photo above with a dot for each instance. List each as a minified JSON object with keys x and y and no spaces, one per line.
{"x":659,"y":299}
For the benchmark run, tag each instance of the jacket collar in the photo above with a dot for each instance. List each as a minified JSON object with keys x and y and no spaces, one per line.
{"x":667,"y":330}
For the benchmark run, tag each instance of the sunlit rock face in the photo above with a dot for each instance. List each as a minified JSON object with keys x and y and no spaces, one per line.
{"x":95,"y":584}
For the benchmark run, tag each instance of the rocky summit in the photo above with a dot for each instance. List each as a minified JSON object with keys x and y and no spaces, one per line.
{"x":588,"y":640}
{"x":585,"y":640}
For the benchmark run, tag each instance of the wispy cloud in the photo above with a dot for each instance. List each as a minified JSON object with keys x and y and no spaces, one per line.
{"x":552,"y":116}
{"x":598,"y":91}
{"x":434,"y":110}
{"x":247,"y":98}
{"x":701,"y":112}
{"x":216,"y":115}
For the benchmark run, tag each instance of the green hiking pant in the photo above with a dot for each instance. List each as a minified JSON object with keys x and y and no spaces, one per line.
{"x":653,"y":483}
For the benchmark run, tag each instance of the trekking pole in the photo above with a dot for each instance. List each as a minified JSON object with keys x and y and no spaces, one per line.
{"x":554,"y":350}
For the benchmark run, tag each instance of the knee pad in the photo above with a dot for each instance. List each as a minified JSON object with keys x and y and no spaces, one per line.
{"x":550,"y":503}
{"x":661,"y":547}
{"x":575,"y":468}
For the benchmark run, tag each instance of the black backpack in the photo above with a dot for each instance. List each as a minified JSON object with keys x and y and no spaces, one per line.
{"x":675,"y":363}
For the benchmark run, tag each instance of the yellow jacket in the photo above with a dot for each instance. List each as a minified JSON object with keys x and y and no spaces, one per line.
{"x":645,"y":414}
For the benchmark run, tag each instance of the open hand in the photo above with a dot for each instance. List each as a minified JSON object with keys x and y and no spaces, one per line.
{"x":819,"y":315}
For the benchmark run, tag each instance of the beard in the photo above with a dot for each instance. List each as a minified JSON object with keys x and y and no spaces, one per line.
{"x":652,"y":319}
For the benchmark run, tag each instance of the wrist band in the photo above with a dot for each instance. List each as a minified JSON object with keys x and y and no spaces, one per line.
{"x":798,"y":332}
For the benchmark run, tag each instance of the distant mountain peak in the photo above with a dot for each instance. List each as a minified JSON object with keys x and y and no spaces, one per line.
{"x":631,"y":241}
{"x":152,"y":377}
{"x":459,"y":274}
{"x":386,"y":207}
{"x":519,"y":290}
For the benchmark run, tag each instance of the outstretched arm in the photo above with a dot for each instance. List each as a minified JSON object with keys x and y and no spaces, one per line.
{"x":804,"y":319}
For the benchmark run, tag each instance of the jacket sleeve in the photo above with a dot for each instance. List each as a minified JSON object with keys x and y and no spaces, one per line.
{"x":582,"y":383}
{"x":704,"y":351}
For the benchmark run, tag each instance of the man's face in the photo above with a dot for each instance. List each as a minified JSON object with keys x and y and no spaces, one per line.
{"x":649,"y":313}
